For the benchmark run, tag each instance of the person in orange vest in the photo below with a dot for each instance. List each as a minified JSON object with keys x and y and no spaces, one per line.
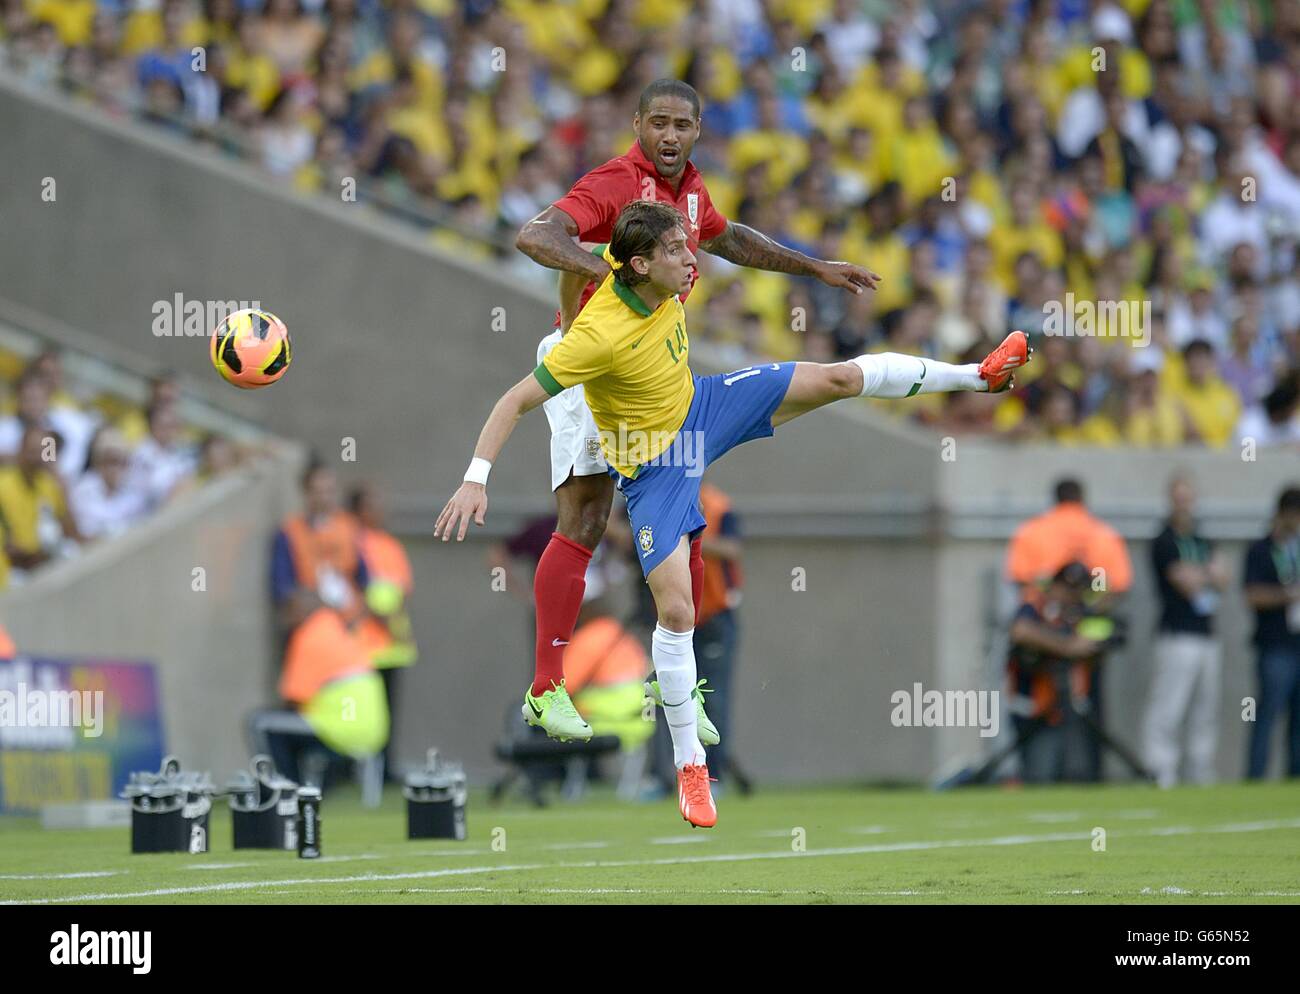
{"x":319,"y":550}
{"x":331,"y":692}
{"x":387,"y":631}
{"x":604,"y":668}
{"x":7,"y":648}
{"x":1069,"y":533}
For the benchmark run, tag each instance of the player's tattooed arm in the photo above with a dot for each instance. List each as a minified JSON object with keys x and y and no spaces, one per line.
{"x":548,"y":239}
{"x":742,"y":245}
{"x":571,"y":286}
{"x":470,"y":499}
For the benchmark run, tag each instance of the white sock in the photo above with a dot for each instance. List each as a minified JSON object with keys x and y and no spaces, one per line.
{"x":894,"y":375}
{"x":674,"y":659}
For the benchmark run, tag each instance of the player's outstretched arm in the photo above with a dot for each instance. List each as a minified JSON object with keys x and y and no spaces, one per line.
{"x":548,"y":239}
{"x":470,"y":500}
{"x":744,"y":246}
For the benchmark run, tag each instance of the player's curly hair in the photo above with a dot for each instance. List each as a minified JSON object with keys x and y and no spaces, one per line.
{"x":637,"y":231}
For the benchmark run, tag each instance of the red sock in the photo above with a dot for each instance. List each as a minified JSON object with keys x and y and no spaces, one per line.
{"x":557,"y":591}
{"x":697,"y":575}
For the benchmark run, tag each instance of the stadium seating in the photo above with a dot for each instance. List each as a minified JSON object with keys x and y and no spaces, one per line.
{"x":985,"y":165}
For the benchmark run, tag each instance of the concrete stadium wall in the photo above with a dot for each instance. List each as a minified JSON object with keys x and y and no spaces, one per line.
{"x":133,"y":598}
{"x":395,"y":349}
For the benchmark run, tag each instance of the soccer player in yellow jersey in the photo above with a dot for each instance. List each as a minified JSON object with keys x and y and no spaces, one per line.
{"x":661,"y":426}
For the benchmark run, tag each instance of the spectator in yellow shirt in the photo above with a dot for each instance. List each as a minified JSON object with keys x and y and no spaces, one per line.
{"x":1152,"y":418}
{"x":33,"y":504}
{"x":918,"y":158}
{"x":785,"y":153}
{"x":72,"y":19}
{"x":1026,"y":231}
{"x":1210,"y":405}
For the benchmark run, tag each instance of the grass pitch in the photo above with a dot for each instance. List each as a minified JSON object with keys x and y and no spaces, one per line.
{"x":1238,"y":843}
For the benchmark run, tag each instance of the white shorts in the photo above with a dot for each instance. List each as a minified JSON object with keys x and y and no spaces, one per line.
{"x":575,"y":440}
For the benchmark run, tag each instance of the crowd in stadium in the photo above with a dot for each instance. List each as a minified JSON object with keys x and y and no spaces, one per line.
{"x":1131,"y":168}
{"x":74,"y":471}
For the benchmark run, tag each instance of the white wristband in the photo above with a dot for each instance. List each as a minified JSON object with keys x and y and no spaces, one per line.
{"x":478,"y":471}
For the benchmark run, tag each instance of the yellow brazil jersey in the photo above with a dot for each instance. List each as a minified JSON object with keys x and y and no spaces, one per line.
{"x":632,"y":363}
{"x":21,"y":504}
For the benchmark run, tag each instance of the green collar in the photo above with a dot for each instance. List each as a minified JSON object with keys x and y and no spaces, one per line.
{"x":629,"y":297}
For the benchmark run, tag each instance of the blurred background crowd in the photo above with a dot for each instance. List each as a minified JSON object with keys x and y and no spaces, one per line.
{"x":987,"y":159}
{"x":79,"y":463}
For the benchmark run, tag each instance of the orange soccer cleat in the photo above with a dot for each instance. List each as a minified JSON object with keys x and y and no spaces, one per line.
{"x":694,"y":798}
{"x":1000,"y":365}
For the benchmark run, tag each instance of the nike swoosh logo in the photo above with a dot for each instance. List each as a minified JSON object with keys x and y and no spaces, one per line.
{"x":556,"y":643}
{"x":533,"y":708}
{"x":639,"y":340}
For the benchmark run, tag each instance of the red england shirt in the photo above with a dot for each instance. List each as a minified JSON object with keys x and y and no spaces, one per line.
{"x":596,"y":199}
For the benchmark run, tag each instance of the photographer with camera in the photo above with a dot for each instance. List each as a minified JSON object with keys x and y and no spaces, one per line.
{"x":1069,"y":532}
{"x":1051,"y":668}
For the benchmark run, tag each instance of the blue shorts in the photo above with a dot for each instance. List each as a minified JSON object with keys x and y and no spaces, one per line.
{"x":663,"y":499}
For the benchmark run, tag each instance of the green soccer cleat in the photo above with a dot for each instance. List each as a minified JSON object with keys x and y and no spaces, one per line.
{"x":555,"y":714}
{"x":706,"y":729}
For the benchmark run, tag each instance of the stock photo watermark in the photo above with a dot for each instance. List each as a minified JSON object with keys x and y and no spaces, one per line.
{"x":921,"y":708}
{"x":180,"y":317}
{"x":35,"y":710}
{"x":1083,"y":318}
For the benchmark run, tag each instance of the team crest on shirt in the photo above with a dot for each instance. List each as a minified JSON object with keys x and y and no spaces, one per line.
{"x":593,"y":447}
{"x":646,"y":539}
{"x":693,"y":207}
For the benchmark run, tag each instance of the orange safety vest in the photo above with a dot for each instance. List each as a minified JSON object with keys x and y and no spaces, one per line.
{"x":1068,"y":533}
{"x":7,"y":648}
{"x":603,"y":653}
{"x":385,"y":558}
{"x":321,"y":649}
{"x":336,"y":543}
{"x":721,"y":578}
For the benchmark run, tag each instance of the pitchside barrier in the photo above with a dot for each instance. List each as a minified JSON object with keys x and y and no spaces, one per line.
{"x":872,"y":545}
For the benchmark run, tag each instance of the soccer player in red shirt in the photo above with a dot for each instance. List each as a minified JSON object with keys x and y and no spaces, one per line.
{"x":657,"y":167}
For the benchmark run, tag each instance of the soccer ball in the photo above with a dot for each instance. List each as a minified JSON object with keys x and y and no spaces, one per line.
{"x":251,"y":349}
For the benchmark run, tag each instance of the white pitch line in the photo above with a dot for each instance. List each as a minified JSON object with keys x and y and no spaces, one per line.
{"x":239,"y":885}
{"x":563,"y":846}
{"x":1177,"y":892}
{"x":1005,"y":840}
{"x":641,"y":890}
{"x":61,"y":876}
{"x":347,"y":859}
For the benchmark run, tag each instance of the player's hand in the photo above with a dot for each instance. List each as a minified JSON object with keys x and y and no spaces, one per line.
{"x":847,"y":276}
{"x":470,"y":501}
